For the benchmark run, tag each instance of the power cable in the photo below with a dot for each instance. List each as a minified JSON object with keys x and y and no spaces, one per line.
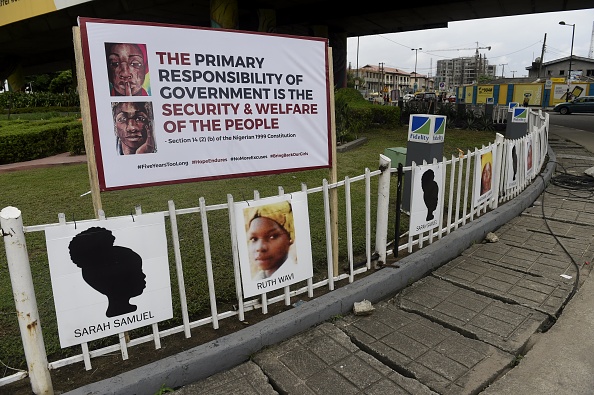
{"x":569,"y":182}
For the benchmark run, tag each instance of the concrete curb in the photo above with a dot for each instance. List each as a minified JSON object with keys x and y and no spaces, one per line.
{"x":231,"y":350}
{"x":351,"y":144}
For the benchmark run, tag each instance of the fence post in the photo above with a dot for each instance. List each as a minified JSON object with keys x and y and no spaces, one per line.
{"x":499,"y":170}
{"x":11,"y":224}
{"x":383,"y":203}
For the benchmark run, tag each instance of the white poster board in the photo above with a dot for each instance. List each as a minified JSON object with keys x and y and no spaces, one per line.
{"x":529,"y":158}
{"x":179,"y":104}
{"x":109,"y":276}
{"x":426,"y":198}
{"x":484,"y":166}
{"x":512,"y":168}
{"x":274,"y":242}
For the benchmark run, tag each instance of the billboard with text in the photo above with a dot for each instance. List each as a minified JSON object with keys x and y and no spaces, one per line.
{"x":179,"y":104}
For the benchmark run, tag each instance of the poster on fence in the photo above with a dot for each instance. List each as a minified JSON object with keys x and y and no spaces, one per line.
{"x":483,"y":175}
{"x":274,"y":242}
{"x":528,"y":145}
{"x":511,"y":168}
{"x":109,"y":276}
{"x":426,"y":198}
{"x":537,"y":151}
{"x":174,"y":104}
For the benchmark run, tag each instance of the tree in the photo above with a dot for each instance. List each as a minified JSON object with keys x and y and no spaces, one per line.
{"x":352,"y":79}
{"x":62,"y":83}
{"x":485,"y":79}
{"x":40,"y":82}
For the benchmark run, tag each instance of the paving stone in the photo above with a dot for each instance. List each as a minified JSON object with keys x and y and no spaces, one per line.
{"x":244,"y":379}
{"x":506,"y":326}
{"x":324,"y":361}
{"x":528,"y":250}
{"x":441,"y":358}
{"x":538,"y":292}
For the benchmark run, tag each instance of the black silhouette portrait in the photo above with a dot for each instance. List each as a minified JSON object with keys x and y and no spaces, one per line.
{"x":514,"y":161}
{"x":430,"y":192}
{"x":114,"y":271}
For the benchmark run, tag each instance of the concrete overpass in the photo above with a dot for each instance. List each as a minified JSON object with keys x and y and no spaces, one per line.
{"x":37,"y":34}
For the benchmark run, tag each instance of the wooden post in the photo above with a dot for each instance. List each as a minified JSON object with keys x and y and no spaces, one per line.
{"x":85,"y":111}
{"x":333,"y":176}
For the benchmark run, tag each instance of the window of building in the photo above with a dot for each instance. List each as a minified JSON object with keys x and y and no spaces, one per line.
{"x":561,"y":72}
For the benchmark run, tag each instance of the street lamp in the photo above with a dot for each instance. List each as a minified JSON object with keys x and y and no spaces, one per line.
{"x":570,"y":57}
{"x":416,"y":52}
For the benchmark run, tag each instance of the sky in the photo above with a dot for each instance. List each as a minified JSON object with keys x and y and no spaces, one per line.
{"x":514,"y":40}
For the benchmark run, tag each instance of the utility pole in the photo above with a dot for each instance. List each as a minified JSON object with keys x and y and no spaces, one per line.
{"x":542,"y":55}
{"x":513,"y":74}
{"x":381,"y":84}
{"x":502,"y":69}
{"x":416,"y":53}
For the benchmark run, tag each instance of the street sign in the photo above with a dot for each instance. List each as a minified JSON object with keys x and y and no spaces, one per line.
{"x":548,"y":84}
{"x":442,"y":86}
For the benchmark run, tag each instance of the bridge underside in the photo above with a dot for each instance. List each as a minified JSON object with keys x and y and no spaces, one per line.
{"x":44,"y":43}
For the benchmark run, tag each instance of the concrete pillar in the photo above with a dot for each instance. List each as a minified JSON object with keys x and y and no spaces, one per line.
{"x":224,"y":14}
{"x":338,"y":42}
{"x":266,"y":20}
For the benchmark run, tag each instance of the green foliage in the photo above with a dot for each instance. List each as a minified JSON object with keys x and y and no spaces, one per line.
{"x":353,"y":80}
{"x":27,"y":140}
{"x":468,"y":118}
{"x":485,"y":79}
{"x":354,"y":114}
{"x":38,"y":112}
{"x":164,"y":390}
{"x":349,"y":95}
{"x":75,"y":141}
{"x":10,"y":100}
{"x":40,"y":83}
{"x":62,"y":83}
{"x":386,"y":116}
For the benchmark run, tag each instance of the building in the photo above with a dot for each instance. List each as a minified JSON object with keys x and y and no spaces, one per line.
{"x":462,"y":71}
{"x":582,"y":69}
{"x":381,"y":80}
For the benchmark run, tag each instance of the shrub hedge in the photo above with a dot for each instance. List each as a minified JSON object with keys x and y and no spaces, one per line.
{"x":354,"y":114}
{"x":22,"y":140}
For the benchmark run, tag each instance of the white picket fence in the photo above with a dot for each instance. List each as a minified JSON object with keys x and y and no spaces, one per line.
{"x":457,"y":210}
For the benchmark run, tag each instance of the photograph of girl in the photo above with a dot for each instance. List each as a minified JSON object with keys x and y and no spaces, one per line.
{"x":273,"y":242}
{"x":270,"y":233}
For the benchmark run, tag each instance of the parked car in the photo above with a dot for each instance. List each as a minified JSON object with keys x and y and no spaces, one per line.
{"x":451,"y":98}
{"x":580,"y":104}
{"x":407,"y":97}
{"x":425,"y":96}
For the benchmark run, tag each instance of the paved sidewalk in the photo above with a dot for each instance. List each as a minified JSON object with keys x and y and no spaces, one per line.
{"x":60,"y":159}
{"x":481,"y":318}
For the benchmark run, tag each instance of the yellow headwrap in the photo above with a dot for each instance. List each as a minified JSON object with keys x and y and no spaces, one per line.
{"x":280,"y":212}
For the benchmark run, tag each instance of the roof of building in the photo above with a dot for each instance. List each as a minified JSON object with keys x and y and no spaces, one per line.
{"x":563,"y":60}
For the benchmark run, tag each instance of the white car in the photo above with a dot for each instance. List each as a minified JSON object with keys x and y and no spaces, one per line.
{"x":408,"y":97}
